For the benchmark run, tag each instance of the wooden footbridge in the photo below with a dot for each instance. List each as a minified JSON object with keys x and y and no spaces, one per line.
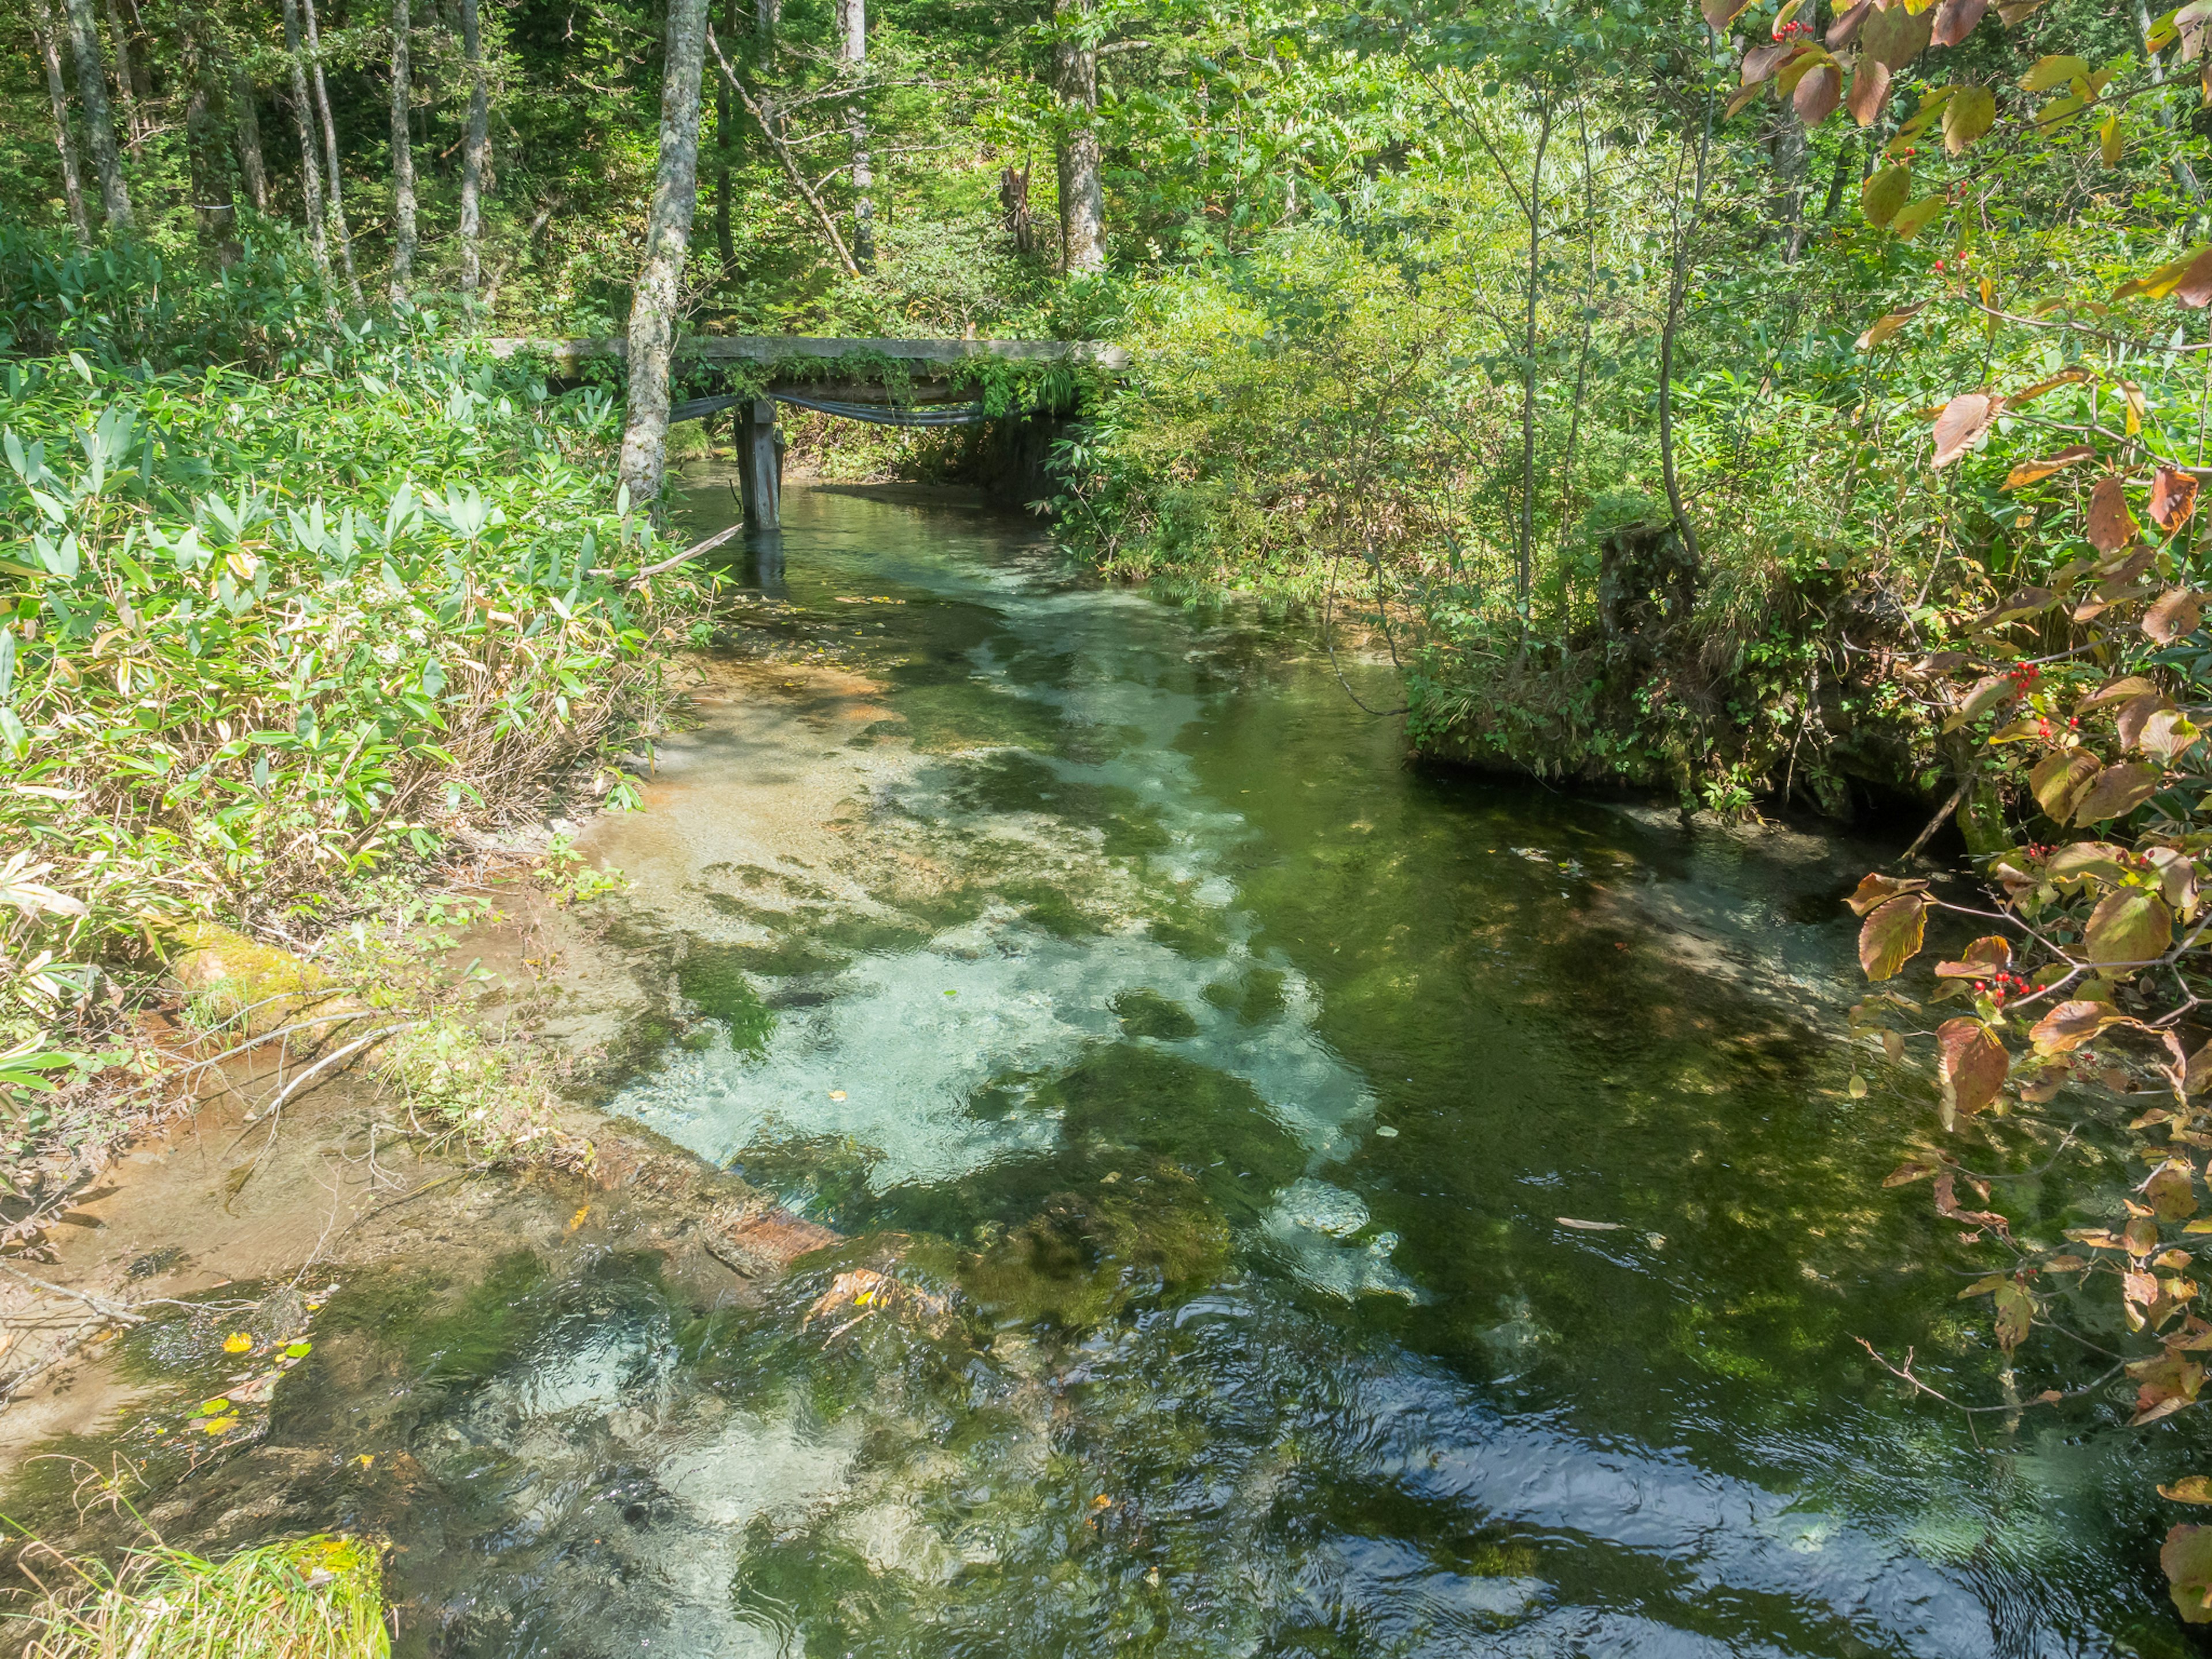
{"x":889,"y":381}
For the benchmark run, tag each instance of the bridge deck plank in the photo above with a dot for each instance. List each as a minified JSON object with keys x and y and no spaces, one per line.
{"x":919,"y":354}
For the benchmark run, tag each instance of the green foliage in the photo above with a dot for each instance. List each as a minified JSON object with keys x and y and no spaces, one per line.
{"x":259,"y":639}
{"x":308,"y":1598}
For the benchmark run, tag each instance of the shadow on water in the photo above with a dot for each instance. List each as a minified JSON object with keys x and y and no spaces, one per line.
{"x":1231,"y":1088}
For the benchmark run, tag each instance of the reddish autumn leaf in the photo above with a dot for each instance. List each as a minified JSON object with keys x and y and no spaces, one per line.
{"x":1719,"y":14}
{"x":1896,"y":34}
{"x":2131,"y":925}
{"x":1955,"y":21}
{"x":2070,"y":1025}
{"x":2174,"y":617}
{"x":1818,"y":93}
{"x":1891,"y":936}
{"x":1905,"y":1174}
{"x":2111,"y":526}
{"x":1964,"y":419}
{"x":1869,"y":91}
{"x":1846,"y":28}
{"x":2167,"y":735}
{"x":1878,"y":889}
{"x":2173,"y":497}
{"x":2028,"y":472}
{"x":1970,"y":1066}
{"x":2135,"y":713}
{"x":2118,"y":790}
{"x":2195,"y":288}
{"x":2120,"y":690}
{"x":1991,"y":954}
{"x":1760,"y":61}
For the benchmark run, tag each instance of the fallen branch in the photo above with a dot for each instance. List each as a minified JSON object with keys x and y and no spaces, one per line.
{"x":691,"y":552}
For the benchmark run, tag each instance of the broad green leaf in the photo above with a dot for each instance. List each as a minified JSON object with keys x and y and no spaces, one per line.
{"x":1967,"y":117}
{"x":2015,"y":1315}
{"x":2053,"y":71}
{"x":1884,"y":192}
{"x":1910,"y":220}
{"x":2131,"y":925}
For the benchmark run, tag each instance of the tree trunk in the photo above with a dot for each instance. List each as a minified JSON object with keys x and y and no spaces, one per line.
{"x":479,"y":144}
{"x":252,"y":171}
{"x":42,"y":26}
{"x":126,"y":85}
{"x":215,"y":212}
{"x":724,"y":247}
{"x":311,"y":175}
{"x":766,"y":15}
{"x":98,"y":123}
{"x":852,"y":50}
{"x":1676,"y":288}
{"x":1524,"y":575}
{"x":1082,"y":201}
{"x":330,"y":150}
{"x":403,"y":158}
{"x":667,"y":237}
{"x":1787,"y":146}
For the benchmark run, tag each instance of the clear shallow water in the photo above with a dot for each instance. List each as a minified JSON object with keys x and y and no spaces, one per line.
{"x":1229,"y":1078}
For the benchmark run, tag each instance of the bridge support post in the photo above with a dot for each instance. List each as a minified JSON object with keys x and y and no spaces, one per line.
{"x":760,"y":464}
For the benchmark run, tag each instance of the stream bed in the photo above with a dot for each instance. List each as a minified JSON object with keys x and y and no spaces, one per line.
{"x":1325,"y":1206}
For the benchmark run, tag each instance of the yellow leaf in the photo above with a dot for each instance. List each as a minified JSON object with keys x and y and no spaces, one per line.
{"x":237,"y":1342}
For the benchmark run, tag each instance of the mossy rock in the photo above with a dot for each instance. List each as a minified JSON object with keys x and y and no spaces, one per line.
{"x":226,"y":972}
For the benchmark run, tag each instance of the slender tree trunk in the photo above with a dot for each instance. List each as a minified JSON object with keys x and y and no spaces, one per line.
{"x":252,"y":171}
{"x":667,"y":237}
{"x":329,"y":149}
{"x":1525,"y":574}
{"x":215,"y":211}
{"x":1840,"y":177}
{"x":479,"y":145}
{"x":767,"y":15}
{"x":853,"y":52}
{"x":1676,"y":287}
{"x":725,"y":248}
{"x":98,"y":123}
{"x":1082,"y":199}
{"x":126,"y":85}
{"x":310,"y":174}
{"x":1589,"y":303}
{"x":42,"y":26}
{"x":403,"y":158}
{"x":1787,"y":147}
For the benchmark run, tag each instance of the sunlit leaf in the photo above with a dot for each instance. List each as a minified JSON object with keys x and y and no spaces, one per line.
{"x":2058,"y":779}
{"x":2190,"y":1489}
{"x":1970,"y":1067}
{"x":2173,"y":497}
{"x":2130,"y":925}
{"x":1964,"y":419}
{"x":1877,"y":890}
{"x":2070,"y":1025}
{"x":1891,"y":936}
{"x":1955,"y":21}
{"x":2053,"y":71}
{"x":1988,"y":955}
{"x":1967,"y":117}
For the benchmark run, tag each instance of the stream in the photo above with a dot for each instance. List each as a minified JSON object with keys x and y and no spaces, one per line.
{"x":1328,"y":1207}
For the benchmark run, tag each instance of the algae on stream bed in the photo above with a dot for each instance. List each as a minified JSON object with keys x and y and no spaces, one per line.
{"x":1114,"y":976}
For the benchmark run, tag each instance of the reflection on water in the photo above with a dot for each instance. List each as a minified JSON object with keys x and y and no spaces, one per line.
{"x":1238,"y":1083}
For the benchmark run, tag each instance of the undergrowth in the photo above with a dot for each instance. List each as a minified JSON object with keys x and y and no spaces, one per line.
{"x":308,"y":1598}
{"x":267,"y":637}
